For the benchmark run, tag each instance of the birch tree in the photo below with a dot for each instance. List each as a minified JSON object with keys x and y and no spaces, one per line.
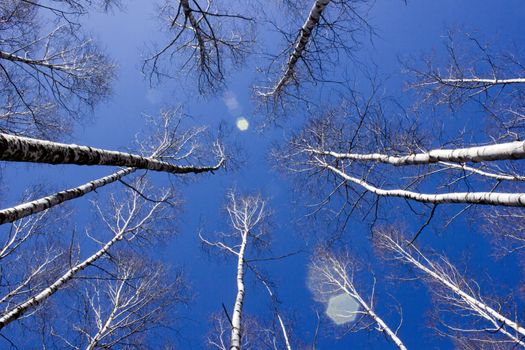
{"x":363,"y":152}
{"x":488,"y":74}
{"x":48,"y":74}
{"x":29,"y":273}
{"x":455,"y":293}
{"x":247,"y":216}
{"x":328,"y":29}
{"x":132,"y":218}
{"x":331,"y":276}
{"x":22,"y":272}
{"x":204,"y":39}
{"x":254,"y":334}
{"x":125,"y":305}
{"x":39,"y":205}
{"x":24,"y":149}
{"x":23,"y":230}
{"x":167,"y":142}
{"x":506,"y":228}
{"x":282,"y":329}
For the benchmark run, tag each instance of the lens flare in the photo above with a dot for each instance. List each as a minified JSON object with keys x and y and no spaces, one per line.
{"x":242,"y":124}
{"x":342,"y":309}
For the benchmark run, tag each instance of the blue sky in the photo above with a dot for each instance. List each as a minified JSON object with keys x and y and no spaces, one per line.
{"x":403,"y":31}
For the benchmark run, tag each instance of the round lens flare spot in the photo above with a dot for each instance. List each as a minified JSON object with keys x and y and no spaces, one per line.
{"x":342,"y":309}
{"x":242,"y":124}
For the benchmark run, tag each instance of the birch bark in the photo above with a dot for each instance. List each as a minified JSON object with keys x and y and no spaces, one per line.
{"x":245,"y":214}
{"x":502,"y":151}
{"x":279,"y":318}
{"x":21,"y":309}
{"x":188,"y":13}
{"x":488,"y":198}
{"x":24,"y":149}
{"x":102,"y":331}
{"x":499,"y":321}
{"x":300,"y":45}
{"x":235,"y":343}
{"x":382,"y":325}
{"x":125,"y":226}
{"x":480,"y":82}
{"x":38,"y":205}
{"x":37,"y":62}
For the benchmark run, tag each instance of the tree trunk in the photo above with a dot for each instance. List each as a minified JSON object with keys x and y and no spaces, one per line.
{"x":481,"y":82}
{"x":383,"y":327}
{"x":22,"y":308}
{"x":279,"y":318}
{"x":33,"y":62}
{"x":502,"y":151}
{"x":24,"y":149}
{"x":188,"y":13}
{"x":23,"y":210}
{"x":239,"y":300}
{"x":102,"y":331}
{"x":300,"y":45}
{"x":488,"y":198}
{"x":481,"y":308}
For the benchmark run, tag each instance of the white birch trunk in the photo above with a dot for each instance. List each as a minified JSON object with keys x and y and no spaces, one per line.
{"x":22,"y":308}
{"x":38,"y":205}
{"x":188,"y":13}
{"x":24,"y":149}
{"x":383,"y":326}
{"x":279,"y":318}
{"x":285,"y":334}
{"x":102,"y":331}
{"x":488,"y":198}
{"x":481,"y":308}
{"x":245,"y":214}
{"x":236,"y":335}
{"x":300,"y":45}
{"x":100,"y":334}
{"x":33,"y":62}
{"x":481,"y":81}
{"x":496,"y":176}
{"x":502,"y":151}
{"x":334,"y":272}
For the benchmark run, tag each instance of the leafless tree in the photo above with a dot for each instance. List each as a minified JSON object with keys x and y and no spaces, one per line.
{"x":47,"y":72}
{"x":123,"y":305}
{"x":506,"y":227}
{"x":364,"y":152}
{"x":247,"y":215}
{"x":22,"y":272}
{"x":167,"y":143}
{"x":134,"y":219}
{"x":332,"y":276}
{"x":23,"y":149}
{"x":475,"y":71}
{"x":254,"y":336}
{"x":204,"y":38}
{"x":331,"y":28}
{"x":39,"y":205}
{"x":456,"y":294}
{"x":282,"y":326}
{"x":166,"y":147}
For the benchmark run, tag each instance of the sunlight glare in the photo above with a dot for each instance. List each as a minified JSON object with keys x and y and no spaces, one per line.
{"x":242,"y":124}
{"x":342,"y":309}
